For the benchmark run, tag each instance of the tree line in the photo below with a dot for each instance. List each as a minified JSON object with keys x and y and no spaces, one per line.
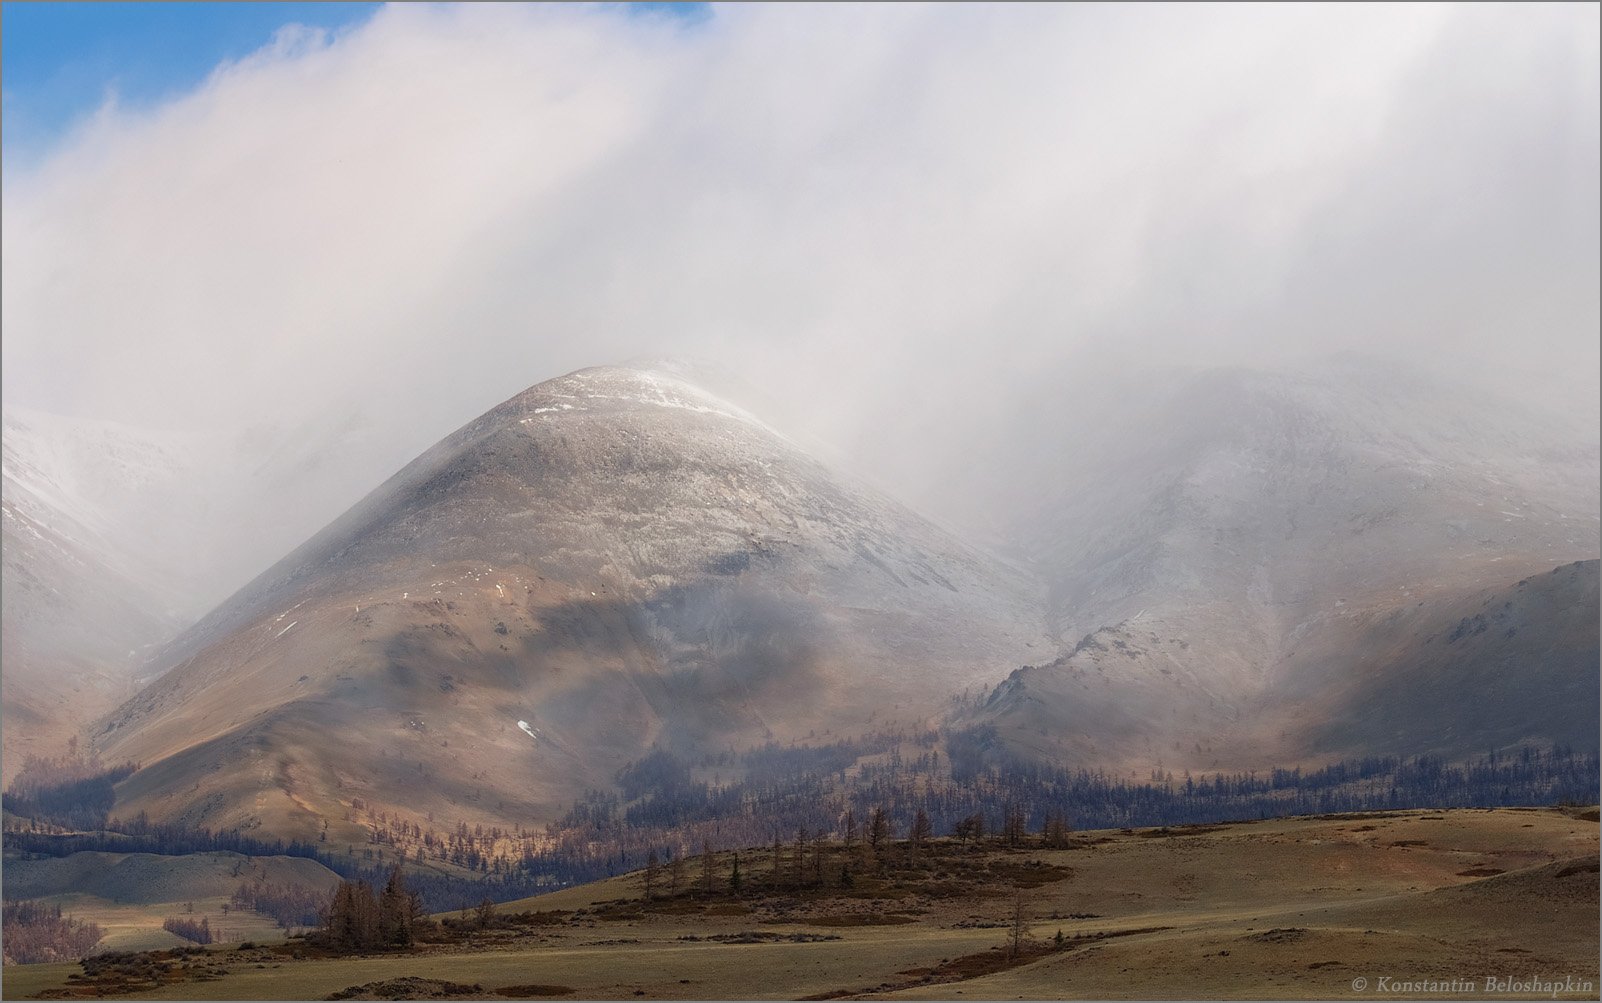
{"x":973,"y":791}
{"x":288,"y":905}
{"x":197,"y":932}
{"x":69,"y":792}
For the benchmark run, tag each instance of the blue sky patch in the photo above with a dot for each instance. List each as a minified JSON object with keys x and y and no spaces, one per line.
{"x":59,"y":62}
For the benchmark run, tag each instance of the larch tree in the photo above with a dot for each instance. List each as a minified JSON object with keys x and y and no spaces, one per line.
{"x":709,"y":875}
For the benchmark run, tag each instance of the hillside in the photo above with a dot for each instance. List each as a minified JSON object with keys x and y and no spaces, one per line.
{"x":1219,"y":541}
{"x":79,"y":612}
{"x":130,"y":895}
{"x":1447,"y":674}
{"x":1450,"y":674}
{"x":616,"y":560}
{"x":116,"y":537}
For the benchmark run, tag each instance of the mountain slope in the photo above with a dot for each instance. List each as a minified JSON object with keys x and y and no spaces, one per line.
{"x":77,"y":613}
{"x":1451,"y":674}
{"x":609,"y":561}
{"x":117,"y":537}
{"x":1198,"y":529}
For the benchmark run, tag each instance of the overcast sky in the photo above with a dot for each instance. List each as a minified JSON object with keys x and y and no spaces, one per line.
{"x":876,"y":214}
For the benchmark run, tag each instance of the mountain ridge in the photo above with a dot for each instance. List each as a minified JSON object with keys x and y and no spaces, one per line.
{"x":617,"y":562}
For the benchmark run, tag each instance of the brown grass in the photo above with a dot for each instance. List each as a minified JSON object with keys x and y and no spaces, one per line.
{"x":1291,"y":908}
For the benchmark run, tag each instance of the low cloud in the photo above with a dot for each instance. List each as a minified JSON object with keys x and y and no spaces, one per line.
{"x":875,"y":214}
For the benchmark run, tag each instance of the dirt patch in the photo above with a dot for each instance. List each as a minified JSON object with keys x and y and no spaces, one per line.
{"x":728,"y":909}
{"x":527,"y":991}
{"x":1026,"y":874}
{"x":117,"y":973}
{"x":676,"y":908}
{"x":1279,"y":935}
{"x":761,"y":937}
{"x":997,"y":959}
{"x":546,"y":917}
{"x":614,"y":915}
{"x":854,"y":919}
{"x":971,"y":966}
{"x":410,"y":987}
{"x":1179,"y":830}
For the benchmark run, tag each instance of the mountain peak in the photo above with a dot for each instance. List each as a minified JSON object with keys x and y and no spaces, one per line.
{"x":617,"y":557}
{"x":622,"y":399}
{"x":610,"y":387}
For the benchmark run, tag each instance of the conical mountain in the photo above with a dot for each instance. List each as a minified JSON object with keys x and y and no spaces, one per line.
{"x":611,"y":561}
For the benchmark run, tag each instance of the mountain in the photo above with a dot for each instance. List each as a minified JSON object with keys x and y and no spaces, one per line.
{"x":78,"y":611}
{"x":609,"y":562}
{"x":1451,"y":674}
{"x":1202,"y":569}
{"x":166,"y":506}
{"x":117,"y":537}
{"x":1204,"y":533}
{"x":1454,"y":674}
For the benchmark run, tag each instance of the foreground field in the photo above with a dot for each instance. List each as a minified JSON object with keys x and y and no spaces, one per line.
{"x":1340,"y":906}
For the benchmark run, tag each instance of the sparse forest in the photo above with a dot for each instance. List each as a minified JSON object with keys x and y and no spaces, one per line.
{"x":69,"y":792}
{"x":196,"y":932}
{"x":358,"y":919}
{"x":35,"y":932}
{"x":288,"y":905}
{"x":886,"y":787}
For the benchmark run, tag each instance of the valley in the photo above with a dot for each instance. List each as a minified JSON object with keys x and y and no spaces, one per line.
{"x":1287,"y":908}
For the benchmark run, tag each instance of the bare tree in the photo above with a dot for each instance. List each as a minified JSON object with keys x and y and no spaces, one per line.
{"x":922,"y":830}
{"x":1013,"y":823}
{"x":675,"y":871}
{"x":652,"y":866}
{"x":1056,"y":831}
{"x":1019,"y":929}
{"x":878,"y":829}
{"x":709,"y":875}
{"x":963,"y":829}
